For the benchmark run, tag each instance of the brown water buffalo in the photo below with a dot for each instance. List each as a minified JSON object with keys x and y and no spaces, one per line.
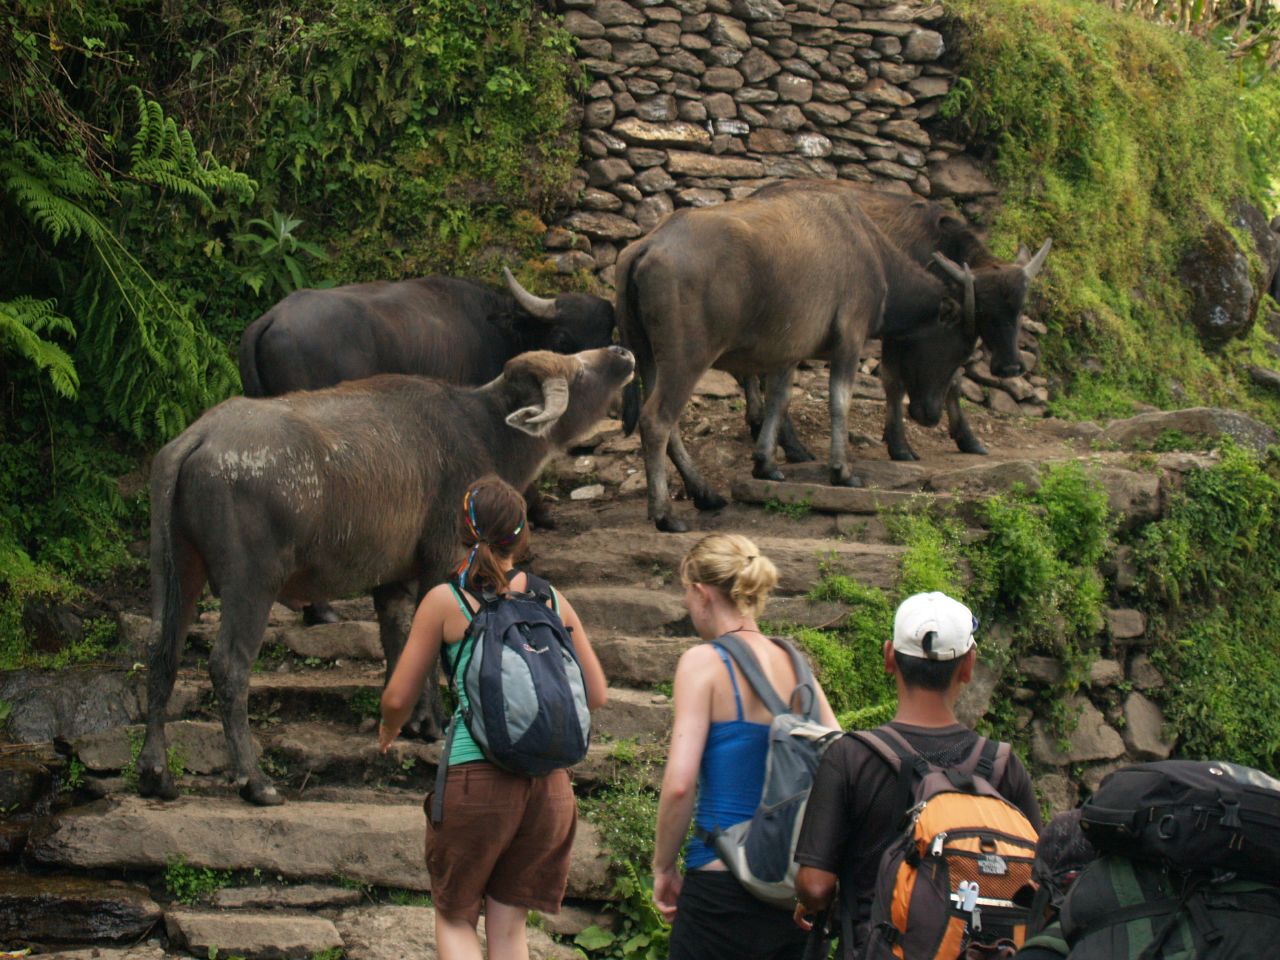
{"x":757,"y":285}
{"x":458,"y":330}
{"x":320,"y":494}
{"x":922,"y":228}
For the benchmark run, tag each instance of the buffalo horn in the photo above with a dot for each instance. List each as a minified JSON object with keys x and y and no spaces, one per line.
{"x":1037,"y":262}
{"x":540,"y":307}
{"x":962,"y":275}
{"x":555,"y":400}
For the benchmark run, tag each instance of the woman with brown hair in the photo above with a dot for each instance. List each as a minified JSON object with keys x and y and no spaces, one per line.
{"x":719,"y":742}
{"x":504,"y":841}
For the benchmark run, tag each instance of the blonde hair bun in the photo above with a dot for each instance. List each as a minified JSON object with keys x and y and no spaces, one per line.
{"x":731,"y":563}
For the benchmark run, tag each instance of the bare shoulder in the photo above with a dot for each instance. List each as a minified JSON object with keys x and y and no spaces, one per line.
{"x":697,"y":658}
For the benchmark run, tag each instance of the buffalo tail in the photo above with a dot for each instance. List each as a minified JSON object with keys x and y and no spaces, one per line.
{"x":247,"y":357}
{"x":636,"y":339}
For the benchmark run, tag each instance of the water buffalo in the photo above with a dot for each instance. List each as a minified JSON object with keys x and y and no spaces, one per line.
{"x":922,"y":228}
{"x":755,"y":286}
{"x":458,"y":330}
{"x":317,"y":494}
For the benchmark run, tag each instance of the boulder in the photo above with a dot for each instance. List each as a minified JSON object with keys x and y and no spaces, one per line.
{"x":1045,"y":670}
{"x":24,"y":783}
{"x":69,"y":703}
{"x":603,"y":226}
{"x":975,"y":697}
{"x":1124,"y":624}
{"x":254,"y":936}
{"x":1144,"y":674}
{"x":960,"y":176}
{"x":1245,"y":216}
{"x":345,"y":640}
{"x":1144,"y":729}
{"x":200,"y":745}
{"x":1105,"y":673}
{"x":1060,"y":793}
{"x":393,"y":933}
{"x":1208,"y":422}
{"x":71,"y":909}
{"x":923,"y":46}
{"x":678,"y":133}
{"x":1215,"y":272}
{"x":1092,"y":738}
{"x":303,"y":896}
{"x":691,"y":164}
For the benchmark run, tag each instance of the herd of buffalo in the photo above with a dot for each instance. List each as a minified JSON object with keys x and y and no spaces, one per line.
{"x":371,"y":407}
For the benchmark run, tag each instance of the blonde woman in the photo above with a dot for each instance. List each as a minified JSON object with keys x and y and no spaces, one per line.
{"x":719,"y":742}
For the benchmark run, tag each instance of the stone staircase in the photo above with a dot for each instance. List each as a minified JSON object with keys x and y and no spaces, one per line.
{"x":302,"y":873}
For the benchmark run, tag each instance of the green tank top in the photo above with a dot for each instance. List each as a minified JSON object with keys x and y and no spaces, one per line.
{"x":457,"y":656}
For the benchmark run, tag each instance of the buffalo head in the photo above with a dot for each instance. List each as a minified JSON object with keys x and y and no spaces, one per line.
{"x":994,"y":298}
{"x":926,"y":360}
{"x":568,"y":323}
{"x":560,"y":397}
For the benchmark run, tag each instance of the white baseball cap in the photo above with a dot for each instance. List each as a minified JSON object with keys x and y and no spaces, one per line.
{"x":933,"y":626}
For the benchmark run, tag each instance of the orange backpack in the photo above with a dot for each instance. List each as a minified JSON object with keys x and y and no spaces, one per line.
{"x":947,"y":884}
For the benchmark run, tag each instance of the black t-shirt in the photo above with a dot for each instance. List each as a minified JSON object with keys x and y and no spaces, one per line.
{"x":852,"y":813}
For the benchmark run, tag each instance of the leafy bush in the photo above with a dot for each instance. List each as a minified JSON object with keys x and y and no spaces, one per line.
{"x":1212,"y":567}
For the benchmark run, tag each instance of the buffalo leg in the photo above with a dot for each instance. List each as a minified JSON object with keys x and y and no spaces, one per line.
{"x":244,"y":620}
{"x":394,"y":606}
{"x":659,"y":417}
{"x":704,"y":498}
{"x":788,"y":437}
{"x":841,"y":391}
{"x":895,"y":430}
{"x":537,"y":508}
{"x":777,"y":396}
{"x":317,"y":613}
{"x":958,"y":424}
{"x":176,"y":587}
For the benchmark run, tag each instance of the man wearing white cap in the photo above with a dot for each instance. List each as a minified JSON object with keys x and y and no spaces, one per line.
{"x":856,"y":806}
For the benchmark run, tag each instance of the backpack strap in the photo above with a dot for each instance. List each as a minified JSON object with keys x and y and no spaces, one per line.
{"x":442,"y":774}
{"x":903,"y":759}
{"x":737,"y":648}
{"x":542,"y":590}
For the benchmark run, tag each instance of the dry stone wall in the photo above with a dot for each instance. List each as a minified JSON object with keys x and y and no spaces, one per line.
{"x":694,"y":102}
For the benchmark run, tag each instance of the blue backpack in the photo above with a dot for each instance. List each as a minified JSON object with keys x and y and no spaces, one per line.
{"x":526,"y":696}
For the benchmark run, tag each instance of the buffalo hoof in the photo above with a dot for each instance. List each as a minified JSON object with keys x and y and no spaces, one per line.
{"x":160,"y":785}
{"x":671,"y":525}
{"x":261,"y":793}
{"x":428,"y":731}
{"x":903,"y":453}
{"x":971,"y":445}
{"x":710,"y":501}
{"x":845,"y":478}
{"x":318,"y":613}
{"x":766,"y":471}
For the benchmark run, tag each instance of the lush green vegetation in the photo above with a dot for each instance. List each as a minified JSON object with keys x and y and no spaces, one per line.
{"x":1119,"y":138}
{"x":170,"y":172}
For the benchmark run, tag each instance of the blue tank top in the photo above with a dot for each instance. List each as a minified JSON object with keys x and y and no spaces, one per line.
{"x":731,"y":777}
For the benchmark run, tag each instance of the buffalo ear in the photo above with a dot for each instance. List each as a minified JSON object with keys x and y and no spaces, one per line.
{"x":526,"y":421}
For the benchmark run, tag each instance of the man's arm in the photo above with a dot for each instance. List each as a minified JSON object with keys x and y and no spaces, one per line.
{"x":824,"y":835}
{"x":1018,"y":790}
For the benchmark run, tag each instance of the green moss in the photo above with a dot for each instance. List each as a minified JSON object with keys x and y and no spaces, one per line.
{"x":1116,"y":137}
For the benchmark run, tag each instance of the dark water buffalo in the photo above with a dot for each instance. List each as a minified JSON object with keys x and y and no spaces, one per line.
{"x":757,"y":285}
{"x":922,"y":228}
{"x":325,"y":493}
{"x":458,"y":330}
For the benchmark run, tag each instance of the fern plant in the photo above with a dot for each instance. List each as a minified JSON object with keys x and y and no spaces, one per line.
{"x":22,"y":323}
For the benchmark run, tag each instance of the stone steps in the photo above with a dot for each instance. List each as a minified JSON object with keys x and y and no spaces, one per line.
{"x":647,"y":555}
{"x":377,"y":844}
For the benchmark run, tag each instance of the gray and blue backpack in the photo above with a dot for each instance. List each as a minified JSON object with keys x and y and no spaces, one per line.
{"x":526,"y":696}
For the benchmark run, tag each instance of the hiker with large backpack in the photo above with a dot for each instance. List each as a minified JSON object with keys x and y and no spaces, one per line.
{"x":925,"y":828}
{"x":501,"y":819}
{"x":1187,"y":868}
{"x":750,"y":724}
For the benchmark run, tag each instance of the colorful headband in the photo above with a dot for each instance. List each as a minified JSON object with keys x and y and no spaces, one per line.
{"x":469,"y":513}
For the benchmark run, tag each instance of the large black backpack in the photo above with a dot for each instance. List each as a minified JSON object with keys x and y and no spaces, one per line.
{"x":1191,"y":815}
{"x":526,"y":696}
{"x":1189,"y":866}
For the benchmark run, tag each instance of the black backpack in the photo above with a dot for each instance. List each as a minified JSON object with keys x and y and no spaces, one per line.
{"x":526,"y":696}
{"x":1190,"y":815}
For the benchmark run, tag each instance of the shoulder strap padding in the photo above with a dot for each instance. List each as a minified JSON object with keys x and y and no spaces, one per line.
{"x":737,"y":648}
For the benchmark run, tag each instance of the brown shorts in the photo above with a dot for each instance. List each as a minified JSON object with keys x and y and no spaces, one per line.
{"x":502,"y":836}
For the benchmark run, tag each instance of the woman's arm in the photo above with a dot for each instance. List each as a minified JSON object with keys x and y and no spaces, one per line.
{"x":420,"y":651}
{"x":825,"y":713}
{"x":592,"y":672}
{"x":693,"y":687}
